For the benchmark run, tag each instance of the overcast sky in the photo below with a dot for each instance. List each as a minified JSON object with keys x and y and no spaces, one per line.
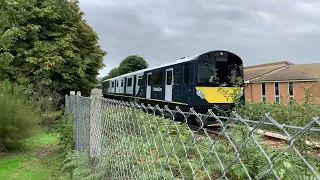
{"x":165,"y":30}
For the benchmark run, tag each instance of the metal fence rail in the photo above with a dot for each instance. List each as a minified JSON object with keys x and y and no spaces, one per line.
{"x":129,"y":142}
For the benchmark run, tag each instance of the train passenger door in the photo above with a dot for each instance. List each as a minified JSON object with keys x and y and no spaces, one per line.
{"x":118,"y":88}
{"x":168,"y":86}
{"x":177,"y":84}
{"x":148,"y":90}
{"x":113,"y":86}
{"x":187,"y":87}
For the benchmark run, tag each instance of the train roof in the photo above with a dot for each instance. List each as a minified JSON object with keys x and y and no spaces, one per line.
{"x":185,"y":59}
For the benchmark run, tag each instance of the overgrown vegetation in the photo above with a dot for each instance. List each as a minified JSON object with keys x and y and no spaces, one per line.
{"x":134,"y":145}
{"x":64,"y":127}
{"x":19,"y":117}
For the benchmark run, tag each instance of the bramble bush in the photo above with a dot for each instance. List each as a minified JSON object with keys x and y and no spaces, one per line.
{"x":64,"y":128}
{"x":19,"y":117}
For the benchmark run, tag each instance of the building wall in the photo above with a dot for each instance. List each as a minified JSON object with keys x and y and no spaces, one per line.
{"x":253,"y":92}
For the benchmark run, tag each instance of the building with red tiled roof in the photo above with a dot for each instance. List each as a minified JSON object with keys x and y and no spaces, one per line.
{"x":282,"y":82}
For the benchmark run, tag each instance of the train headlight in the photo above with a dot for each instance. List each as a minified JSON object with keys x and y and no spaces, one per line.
{"x":200,"y":94}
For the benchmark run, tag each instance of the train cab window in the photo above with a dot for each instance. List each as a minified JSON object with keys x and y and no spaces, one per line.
{"x":157,"y":78}
{"x":169,"y":77}
{"x":234,"y":72}
{"x":149,"y":79}
{"x":186,"y":74}
{"x":129,"y":82}
{"x":205,"y":73}
{"x":176,"y":78}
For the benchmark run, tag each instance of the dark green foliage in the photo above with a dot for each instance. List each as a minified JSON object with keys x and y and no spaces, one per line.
{"x":129,"y":64}
{"x":113,"y":73}
{"x":48,"y":42}
{"x":80,"y":166}
{"x":64,"y":127}
{"x":132,"y":63}
{"x":19,"y":117}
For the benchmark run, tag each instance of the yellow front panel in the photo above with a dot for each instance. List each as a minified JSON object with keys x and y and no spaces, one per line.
{"x":219,"y":94}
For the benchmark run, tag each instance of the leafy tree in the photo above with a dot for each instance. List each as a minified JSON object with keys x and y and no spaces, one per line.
{"x":129,"y":64}
{"x":48,"y":42}
{"x":132,"y":63}
{"x":112,"y":73}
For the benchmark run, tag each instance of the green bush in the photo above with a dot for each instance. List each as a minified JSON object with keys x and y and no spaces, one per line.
{"x":294,"y":114}
{"x":19,"y":117}
{"x":64,"y":127}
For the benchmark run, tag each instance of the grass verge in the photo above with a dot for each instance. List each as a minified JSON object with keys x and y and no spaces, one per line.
{"x":40,"y":159}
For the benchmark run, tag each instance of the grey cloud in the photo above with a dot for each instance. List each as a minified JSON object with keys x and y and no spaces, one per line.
{"x":164,"y":31}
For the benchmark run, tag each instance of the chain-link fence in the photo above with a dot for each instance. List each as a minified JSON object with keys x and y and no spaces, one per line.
{"x":128,"y":140}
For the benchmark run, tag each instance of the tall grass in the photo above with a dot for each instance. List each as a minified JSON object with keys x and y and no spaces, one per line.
{"x":19,"y":117}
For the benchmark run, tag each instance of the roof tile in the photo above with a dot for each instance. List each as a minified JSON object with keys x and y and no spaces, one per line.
{"x":293,"y":72}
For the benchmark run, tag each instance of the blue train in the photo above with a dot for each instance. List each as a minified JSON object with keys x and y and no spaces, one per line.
{"x":189,"y":82}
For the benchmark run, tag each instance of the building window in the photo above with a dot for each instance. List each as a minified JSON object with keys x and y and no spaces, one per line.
{"x":276,"y":92}
{"x":291,"y":92}
{"x":263,"y":91}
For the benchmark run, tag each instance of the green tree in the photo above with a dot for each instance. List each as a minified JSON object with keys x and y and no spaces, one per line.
{"x":129,"y":64}
{"x":112,"y":73}
{"x":132,"y":63}
{"x":48,"y":42}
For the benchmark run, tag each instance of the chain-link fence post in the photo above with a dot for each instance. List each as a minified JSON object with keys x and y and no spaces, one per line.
{"x":95,"y":127}
{"x":78,"y":121}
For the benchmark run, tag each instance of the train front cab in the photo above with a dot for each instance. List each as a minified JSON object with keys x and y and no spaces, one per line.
{"x":216,"y":78}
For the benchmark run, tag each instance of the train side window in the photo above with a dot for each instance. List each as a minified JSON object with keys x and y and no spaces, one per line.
{"x":169,"y":77}
{"x":112,"y":83}
{"x":140,"y":81}
{"x":176,"y":77}
{"x":122,"y":83}
{"x":117,"y":83}
{"x":149,"y":79}
{"x":186,"y":74}
{"x":157,"y":78}
{"x":129,"y":82}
